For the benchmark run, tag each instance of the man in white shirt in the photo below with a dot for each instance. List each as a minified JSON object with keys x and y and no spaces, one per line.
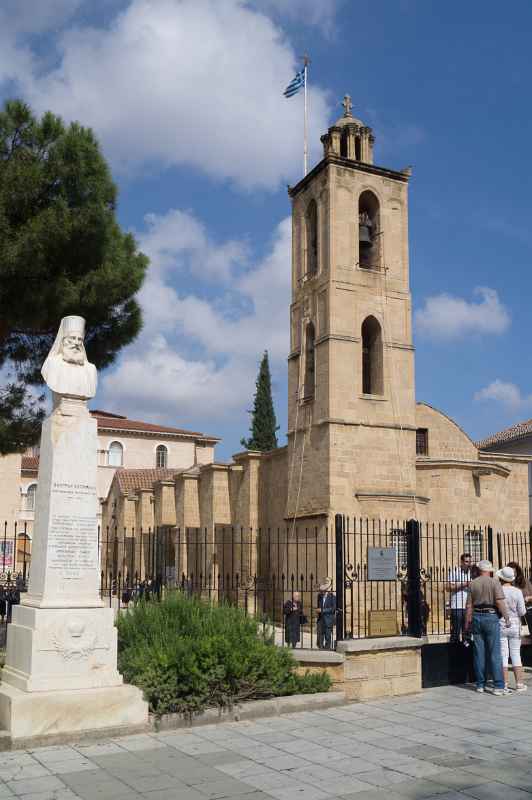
{"x":458,"y":586}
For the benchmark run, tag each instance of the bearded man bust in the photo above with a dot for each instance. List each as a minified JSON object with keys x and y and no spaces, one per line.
{"x":66,"y":371}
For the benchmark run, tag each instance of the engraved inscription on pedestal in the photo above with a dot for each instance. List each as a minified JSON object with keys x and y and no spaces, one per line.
{"x":73,"y":537}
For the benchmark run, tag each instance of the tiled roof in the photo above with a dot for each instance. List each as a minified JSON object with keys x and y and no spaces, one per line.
{"x":512,"y":434}
{"x":131,"y":480}
{"x":115,"y":422}
{"x":30,"y":463}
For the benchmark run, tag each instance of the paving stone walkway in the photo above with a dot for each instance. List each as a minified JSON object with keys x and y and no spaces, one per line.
{"x":448,"y":743}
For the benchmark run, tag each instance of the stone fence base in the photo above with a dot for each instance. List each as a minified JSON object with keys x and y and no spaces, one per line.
{"x":366,"y":669}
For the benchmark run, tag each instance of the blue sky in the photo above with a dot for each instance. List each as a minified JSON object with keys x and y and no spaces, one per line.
{"x":186,"y":99}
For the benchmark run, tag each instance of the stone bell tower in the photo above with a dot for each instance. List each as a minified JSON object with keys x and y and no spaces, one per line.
{"x":351,"y":407}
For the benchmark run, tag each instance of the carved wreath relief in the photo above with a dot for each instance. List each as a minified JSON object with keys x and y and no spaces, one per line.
{"x":74,"y":641}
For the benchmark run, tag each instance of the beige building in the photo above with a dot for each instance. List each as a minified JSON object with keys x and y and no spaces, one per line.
{"x":123,"y":444}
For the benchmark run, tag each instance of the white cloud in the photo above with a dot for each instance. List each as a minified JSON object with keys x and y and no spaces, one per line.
{"x":155,"y":382}
{"x":179,"y":241}
{"x":508,"y":394}
{"x":447,"y":317}
{"x":201,"y":355}
{"x":195,"y":82}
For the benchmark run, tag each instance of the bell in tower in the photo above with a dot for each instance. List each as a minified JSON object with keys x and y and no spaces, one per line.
{"x":365,"y":226}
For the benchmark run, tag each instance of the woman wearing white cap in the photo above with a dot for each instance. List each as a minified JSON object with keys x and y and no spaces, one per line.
{"x":511,"y":637}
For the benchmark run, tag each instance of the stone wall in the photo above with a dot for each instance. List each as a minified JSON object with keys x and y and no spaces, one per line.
{"x":369,"y":669}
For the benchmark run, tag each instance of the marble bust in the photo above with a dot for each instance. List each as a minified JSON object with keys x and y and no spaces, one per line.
{"x":66,"y":370}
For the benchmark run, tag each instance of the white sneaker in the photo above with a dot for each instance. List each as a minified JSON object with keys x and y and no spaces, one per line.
{"x":480,"y":689}
{"x":507,"y":690}
{"x":500,"y":692}
{"x":521,"y":687}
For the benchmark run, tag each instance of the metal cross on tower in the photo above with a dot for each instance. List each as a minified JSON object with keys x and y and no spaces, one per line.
{"x":348,"y":105}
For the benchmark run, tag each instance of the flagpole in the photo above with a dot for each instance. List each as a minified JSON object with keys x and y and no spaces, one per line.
{"x":306,"y":62}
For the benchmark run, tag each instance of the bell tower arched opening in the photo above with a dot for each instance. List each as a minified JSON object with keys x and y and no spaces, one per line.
{"x":310,"y":361}
{"x":372,"y":357}
{"x":311,"y":238}
{"x":368,"y":231}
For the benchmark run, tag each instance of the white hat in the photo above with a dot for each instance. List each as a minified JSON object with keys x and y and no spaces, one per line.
{"x":72,"y":325}
{"x":485,"y":565}
{"x":506,"y":574}
{"x":325,"y":585}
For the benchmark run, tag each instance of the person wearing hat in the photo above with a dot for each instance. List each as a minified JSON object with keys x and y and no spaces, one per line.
{"x":486,"y":598}
{"x":326,"y":614}
{"x":511,"y":637}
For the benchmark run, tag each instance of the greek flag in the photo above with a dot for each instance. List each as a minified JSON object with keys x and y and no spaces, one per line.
{"x":295,"y":84}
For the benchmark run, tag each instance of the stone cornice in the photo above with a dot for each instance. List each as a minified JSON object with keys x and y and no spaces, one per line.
{"x":519,"y":457}
{"x":339,"y":421}
{"x":306,"y":514}
{"x":191,"y":437}
{"x":397,"y":497}
{"x":346,"y":163}
{"x":479,"y":467}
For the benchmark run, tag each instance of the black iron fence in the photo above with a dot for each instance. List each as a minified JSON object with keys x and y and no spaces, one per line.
{"x":418,"y":592}
{"x":15,"y":554}
{"x":277,"y":576}
{"x":375,"y":577}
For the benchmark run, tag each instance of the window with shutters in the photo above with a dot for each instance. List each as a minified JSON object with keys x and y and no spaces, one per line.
{"x":400,"y":542}
{"x":161,"y":457}
{"x":422,"y":442}
{"x":116,"y":454}
{"x":473,"y":543}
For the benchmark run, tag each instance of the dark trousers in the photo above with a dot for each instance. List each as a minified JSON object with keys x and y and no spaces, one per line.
{"x":325,"y":631}
{"x":458,"y":616}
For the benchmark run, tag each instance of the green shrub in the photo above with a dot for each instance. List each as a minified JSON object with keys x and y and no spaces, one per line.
{"x":187,"y":655}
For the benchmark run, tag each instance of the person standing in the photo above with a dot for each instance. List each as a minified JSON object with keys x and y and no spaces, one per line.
{"x":522,"y":582}
{"x":326,"y":615}
{"x":458,"y":586}
{"x":486,"y":597}
{"x":293,"y":619}
{"x":511,"y":637}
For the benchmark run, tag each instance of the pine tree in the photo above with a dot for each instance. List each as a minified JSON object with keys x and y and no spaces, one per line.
{"x":263,"y":422}
{"x":62,"y":252}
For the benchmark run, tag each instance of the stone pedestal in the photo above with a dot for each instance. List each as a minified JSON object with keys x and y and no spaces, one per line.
{"x":61,"y":673}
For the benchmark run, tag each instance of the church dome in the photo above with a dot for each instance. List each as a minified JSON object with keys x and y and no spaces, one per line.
{"x":349,"y":137}
{"x":348,"y":120}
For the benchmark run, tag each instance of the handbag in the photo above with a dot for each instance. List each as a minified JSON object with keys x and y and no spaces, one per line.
{"x":303,"y":619}
{"x":528,"y":619}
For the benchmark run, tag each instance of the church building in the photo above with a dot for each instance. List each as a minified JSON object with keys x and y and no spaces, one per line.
{"x":358,"y":443}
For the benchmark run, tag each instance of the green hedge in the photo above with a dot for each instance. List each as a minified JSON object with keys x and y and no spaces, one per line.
{"x":187,"y":655}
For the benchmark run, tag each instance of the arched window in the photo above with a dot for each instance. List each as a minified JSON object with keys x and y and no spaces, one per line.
{"x":343,"y":144}
{"x":311,"y":238}
{"x":368,"y":231}
{"x":372,"y":357}
{"x":116,"y":454}
{"x":30,"y":497}
{"x":161,"y":456}
{"x":310,"y":361}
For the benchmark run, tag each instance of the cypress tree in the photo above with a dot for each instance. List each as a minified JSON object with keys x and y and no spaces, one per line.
{"x":263,"y":422}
